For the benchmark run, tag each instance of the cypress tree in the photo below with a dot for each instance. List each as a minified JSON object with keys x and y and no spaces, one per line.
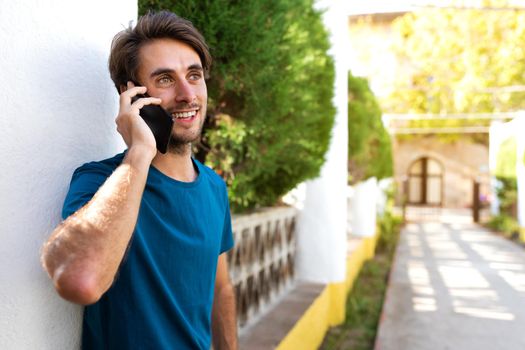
{"x":270,"y":110}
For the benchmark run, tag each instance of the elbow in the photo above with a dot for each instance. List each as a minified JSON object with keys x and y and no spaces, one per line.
{"x":81,"y":290}
{"x":73,"y":280}
{"x":76,"y":285}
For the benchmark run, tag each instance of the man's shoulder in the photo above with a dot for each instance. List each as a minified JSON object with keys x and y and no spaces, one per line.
{"x":210,"y":174}
{"x":104,"y":166}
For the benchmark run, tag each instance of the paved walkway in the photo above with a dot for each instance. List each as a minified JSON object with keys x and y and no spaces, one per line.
{"x":454,"y":285}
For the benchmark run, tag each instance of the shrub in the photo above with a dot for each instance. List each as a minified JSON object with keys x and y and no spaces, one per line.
{"x":270,"y":109}
{"x":389,"y":225}
{"x":506,"y":159}
{"x":507,"y":192}
{"x":367,"y":137}
{"x":505,"y":173}
{"x":505,"y":224}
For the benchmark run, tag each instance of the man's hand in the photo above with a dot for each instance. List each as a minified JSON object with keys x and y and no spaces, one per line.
{"x":130,"y":125}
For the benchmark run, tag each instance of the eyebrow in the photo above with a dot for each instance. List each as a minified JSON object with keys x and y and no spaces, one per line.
{"x":160,"y":71}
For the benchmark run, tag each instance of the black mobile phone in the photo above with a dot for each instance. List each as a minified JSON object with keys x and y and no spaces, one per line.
{"x":159,"y":121}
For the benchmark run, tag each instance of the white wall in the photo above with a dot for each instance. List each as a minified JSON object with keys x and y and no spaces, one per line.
{"x":57,"y":110}
{"x":322,"y":222}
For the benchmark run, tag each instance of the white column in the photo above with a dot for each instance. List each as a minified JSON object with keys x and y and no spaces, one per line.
{"x":520,"y":168}
{"x":322,"y":226}
{"x":58,"y":107}
{"x":495,"y":139}
{"x":364,"y":208}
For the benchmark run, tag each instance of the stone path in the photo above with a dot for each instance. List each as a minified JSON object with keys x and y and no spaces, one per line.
{"x":454,"y":285}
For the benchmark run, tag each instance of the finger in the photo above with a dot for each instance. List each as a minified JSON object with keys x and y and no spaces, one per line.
{"x":141,"y":102}
{"x":129,"y":85}
{"x":126,"y":96}
{"x":135,"y":90}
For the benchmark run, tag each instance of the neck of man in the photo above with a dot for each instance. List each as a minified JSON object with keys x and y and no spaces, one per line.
{"x":176,"y":163}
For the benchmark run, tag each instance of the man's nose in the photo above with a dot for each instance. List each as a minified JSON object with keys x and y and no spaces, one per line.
{"x":184,"y":92}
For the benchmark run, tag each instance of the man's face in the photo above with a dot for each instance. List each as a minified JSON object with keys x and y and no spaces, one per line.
{"x":172,"y":71}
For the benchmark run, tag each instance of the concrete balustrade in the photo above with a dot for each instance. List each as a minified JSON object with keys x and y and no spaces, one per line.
{"x":262,"y":261}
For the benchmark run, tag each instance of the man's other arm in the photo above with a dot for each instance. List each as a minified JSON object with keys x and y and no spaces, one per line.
{"x":224,"y":324}
{"x":84,"y":252}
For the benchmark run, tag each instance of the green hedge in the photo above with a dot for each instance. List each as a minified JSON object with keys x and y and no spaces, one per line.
{"x":505,"y":224}
{"x":270,"y":110}
{"x":369,"y":144}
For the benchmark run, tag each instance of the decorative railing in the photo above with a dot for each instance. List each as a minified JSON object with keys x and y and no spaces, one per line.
{"x":262,"y":262}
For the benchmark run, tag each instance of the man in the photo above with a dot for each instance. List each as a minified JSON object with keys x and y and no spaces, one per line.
{"x":145,"y":234}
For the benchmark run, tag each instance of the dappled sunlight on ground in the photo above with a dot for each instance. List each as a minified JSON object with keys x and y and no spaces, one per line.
{"x":515,"y":280}
{"x":422,"y":290}
{"x":454,"y":285}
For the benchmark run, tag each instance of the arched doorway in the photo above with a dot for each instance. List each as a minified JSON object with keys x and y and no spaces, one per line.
{"x":425,"y":182}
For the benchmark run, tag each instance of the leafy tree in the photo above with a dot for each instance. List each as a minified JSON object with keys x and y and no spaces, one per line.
{"x":458,"y":60}
{"x":506,"y":159}
{"x":369,"y":144}
{"x":505,"y":172}
{"x":270,"y":112}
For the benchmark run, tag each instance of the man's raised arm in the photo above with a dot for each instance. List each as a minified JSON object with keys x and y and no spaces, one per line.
{"x":84,"y":252}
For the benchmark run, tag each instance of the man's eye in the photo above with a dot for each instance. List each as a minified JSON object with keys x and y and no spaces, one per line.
{"x":165,"y":80}
{"x":195,"y":76}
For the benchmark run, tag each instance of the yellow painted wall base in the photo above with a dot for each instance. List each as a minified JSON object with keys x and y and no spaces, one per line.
{"x":329,"y":309}
{"x":522,"y":234}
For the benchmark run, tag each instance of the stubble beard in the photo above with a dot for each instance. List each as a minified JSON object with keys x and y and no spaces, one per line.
{"x":181,"y":144}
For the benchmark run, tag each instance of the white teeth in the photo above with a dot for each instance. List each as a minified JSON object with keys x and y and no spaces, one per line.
{"x":185,"y":114}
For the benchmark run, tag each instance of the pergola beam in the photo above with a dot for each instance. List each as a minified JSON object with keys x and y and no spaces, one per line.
{"x":444,"y":130}
{"x":477,"y":8}
{"x":430,"y":116}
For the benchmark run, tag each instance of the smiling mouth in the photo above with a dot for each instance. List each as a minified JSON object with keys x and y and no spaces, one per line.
{"x":184,"y":115}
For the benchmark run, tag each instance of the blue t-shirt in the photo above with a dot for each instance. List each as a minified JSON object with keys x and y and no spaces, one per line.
{"x":163,"y":292}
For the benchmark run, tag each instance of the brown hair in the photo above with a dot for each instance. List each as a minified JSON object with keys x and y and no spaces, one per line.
{"x":124,"y":55}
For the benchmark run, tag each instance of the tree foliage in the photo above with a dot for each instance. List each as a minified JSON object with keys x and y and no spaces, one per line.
{"x":506,"y":174}
{"x":269,"y":111}
{"x":459,"y":60}
{"x":369,"y":144}
{"x":507,"y":192}
{"x":506,"y":159}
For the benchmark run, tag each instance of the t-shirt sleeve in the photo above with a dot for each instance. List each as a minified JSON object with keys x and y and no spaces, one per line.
{"x":227,"y":234}
{"x":84,"y":184}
